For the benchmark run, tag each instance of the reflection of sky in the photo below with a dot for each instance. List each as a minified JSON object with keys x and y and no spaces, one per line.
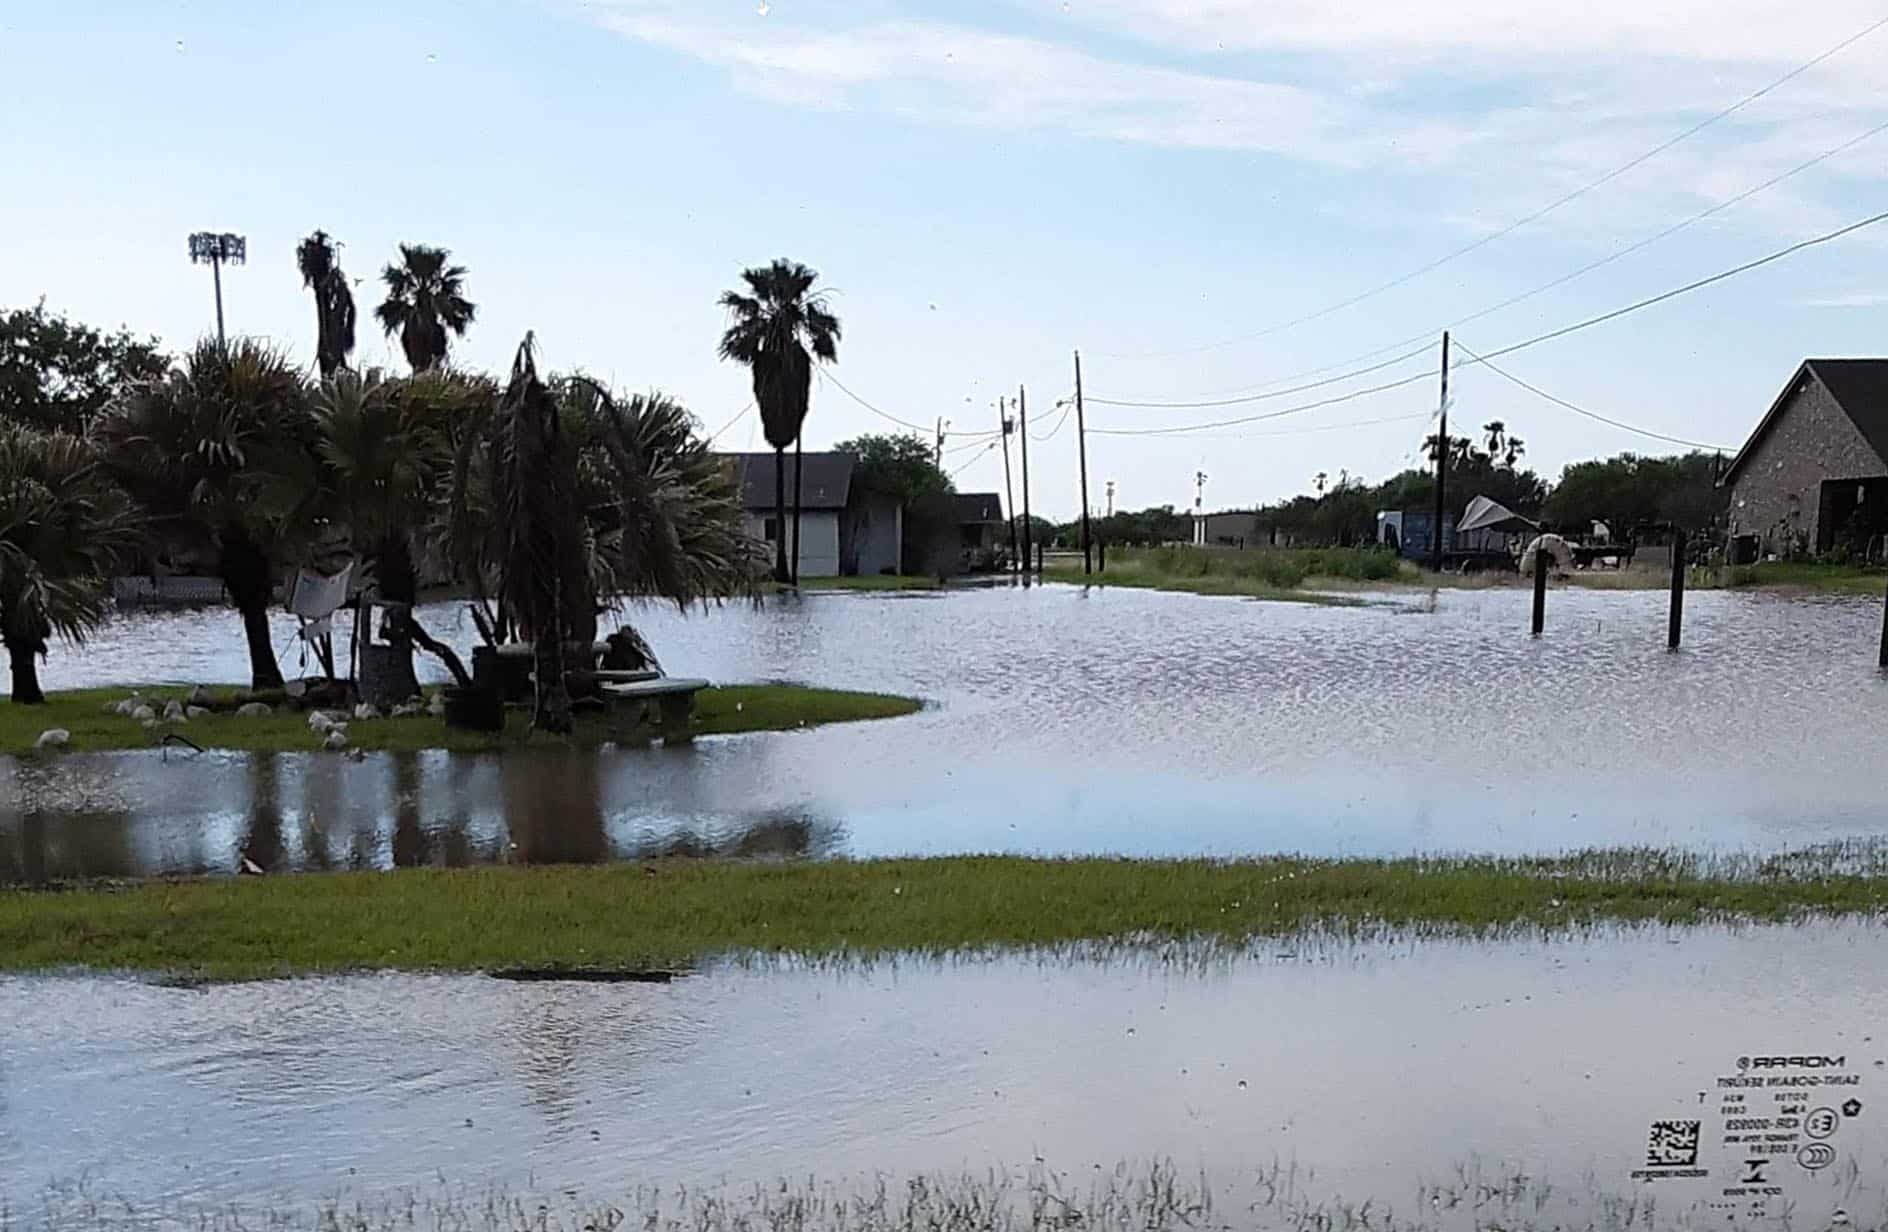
{"x":1122,"y":721}
{"x":1375,"y":1064}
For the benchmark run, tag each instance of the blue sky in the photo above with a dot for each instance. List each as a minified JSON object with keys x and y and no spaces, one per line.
{"x":986,"y":186}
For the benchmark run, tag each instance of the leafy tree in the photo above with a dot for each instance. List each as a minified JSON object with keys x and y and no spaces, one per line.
{"x":220,"y":456}
{"x":902,"y":467}
{"x":319,"y":259}
{"x":1628,"y":490}
{"x":772,"y":331}
{"x":425,"y":305}
{"x":58,"y":374}
{"x":63,"y":526}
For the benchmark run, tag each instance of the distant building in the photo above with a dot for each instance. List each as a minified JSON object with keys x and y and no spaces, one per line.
{"x":1229,"y":530}
{"x":981,"y":532}
{"x":844,"y":530}
{"x":1814,"y":473}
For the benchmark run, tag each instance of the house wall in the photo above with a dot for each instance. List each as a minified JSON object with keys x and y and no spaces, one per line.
{"x":1779,"y":487}
{"x":819,"y":539}
{"x":1227,"y":529}
{"x":879,"y":534}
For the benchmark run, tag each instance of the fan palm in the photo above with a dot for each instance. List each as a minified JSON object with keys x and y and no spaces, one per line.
{"x":220,"y":456}
{"x":63,"y":525}
{"x":425,"y":305}
{"x":319,"y":260}
{"x":774,"y":327}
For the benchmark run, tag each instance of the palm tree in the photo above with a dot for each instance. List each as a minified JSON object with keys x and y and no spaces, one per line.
{"x":772,"y":330}
{"x":1319,"y":480}
{"x":1513,"y":448}
{"x":63,"y":525}
{"x":1496,"y":437}
{"x":425,"y":304}
{"x":220,"y":456}
{"x":319,"y":260}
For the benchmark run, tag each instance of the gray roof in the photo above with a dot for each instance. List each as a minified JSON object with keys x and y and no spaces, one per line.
{"x":1858,"y":386}
{"x":825,"y":479}
{"x":979,"y":507}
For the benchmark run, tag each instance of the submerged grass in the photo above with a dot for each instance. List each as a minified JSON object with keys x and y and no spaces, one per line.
{"x":676,"y":913}
{"x":718,"y":711}
{"x":872,"y":581}
{"x":1259,"y":573}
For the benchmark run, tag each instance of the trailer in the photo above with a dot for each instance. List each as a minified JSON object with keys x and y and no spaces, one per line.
{"x":1409,"y":533}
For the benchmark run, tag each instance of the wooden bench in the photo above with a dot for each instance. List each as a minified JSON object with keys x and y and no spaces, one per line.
{"x":611,"y":676}
{"x":675,"y":696}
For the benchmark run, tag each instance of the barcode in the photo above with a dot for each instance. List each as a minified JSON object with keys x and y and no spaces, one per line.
{"x":1672,"y":1144}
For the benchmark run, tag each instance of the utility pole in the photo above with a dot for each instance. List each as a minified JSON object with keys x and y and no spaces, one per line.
{"x":1442,"y":456}
{"x":211,"y":249}
{"x":1081,"y":437}
{"x":1111,"y":498}
{"x":1009,"y":493}
{"x":942,"y":424}
{"x":1022,"y":426}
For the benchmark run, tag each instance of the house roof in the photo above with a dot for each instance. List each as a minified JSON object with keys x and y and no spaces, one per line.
{"x":979,"y":507}
{"x":1858,"y":386}
{"x":825,"y":479}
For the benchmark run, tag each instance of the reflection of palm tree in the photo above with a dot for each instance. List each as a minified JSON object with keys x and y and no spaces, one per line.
{"x":263,"y":842}
{"x":410,"y":841}
{"x":772,"y":331}
{"x":554,"y":806}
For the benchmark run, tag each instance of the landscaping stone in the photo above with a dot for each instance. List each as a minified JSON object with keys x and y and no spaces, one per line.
{"x":254,"y":710}
{"x":53,"y":738}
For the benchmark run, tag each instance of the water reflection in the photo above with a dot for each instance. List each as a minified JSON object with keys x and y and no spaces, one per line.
{"x":107,"y":816}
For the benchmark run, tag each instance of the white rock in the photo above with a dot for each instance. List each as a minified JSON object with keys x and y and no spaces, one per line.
{"x":319,"y":722}
{"x":53,"y":738}
{"x":295,"y":688}
{"x":149,"y":724}
{"x":366,"y":711}
{"x":173,"y":710}
{"x":407,"y":710}
{"x":197,"y":712}
{"x":198,"y":695}
{"x":143,"y":714}
{"x":112,"y":708}
{"x":254,"y":710}
{"x":335,"y":740}
{"x":437,"y":707}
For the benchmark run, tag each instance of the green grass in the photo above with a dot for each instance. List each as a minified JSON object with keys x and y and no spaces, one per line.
{"x":871,"y":581}
{"x":1806,"y":575}
{"x":675,"y":913}
{"x":1259,"y":573}
{"x":718,"y":711}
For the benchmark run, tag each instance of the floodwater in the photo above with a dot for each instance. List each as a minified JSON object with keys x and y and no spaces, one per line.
{"x":1064,"y":720}
{"x":1369,"y":1067}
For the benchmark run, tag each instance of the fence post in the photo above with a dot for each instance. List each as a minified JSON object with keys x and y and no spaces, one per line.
{"x":1884,"y":634}
{"x":1677,"y":620}
{"x":1540,"y":588}
{"x":1101,"y":556}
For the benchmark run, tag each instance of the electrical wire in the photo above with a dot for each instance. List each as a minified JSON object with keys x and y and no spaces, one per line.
{"x":1512,"y":300}
{"x":1538,"y":392}
{"x":1492,"y":236}
{"x":724,"y":427}
{"x":1352,"y":423}
{"x":1067,"y":407}
{"x":903,"y":423}
{"x":1536,"y":340}
{"x":966,"y":466}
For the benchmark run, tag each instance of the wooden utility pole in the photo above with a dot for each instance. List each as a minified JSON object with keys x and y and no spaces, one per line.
{"x":1442,"y":460}
{"x":1081,"y":437}
{"x":1022,"y":427}
{"x":1540,"y":587}
{"x":1676,"y":620}
{"x":1009,"y":493}
{"x":941,"y":424}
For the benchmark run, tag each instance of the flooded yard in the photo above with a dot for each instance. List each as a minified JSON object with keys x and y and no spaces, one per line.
{"x":1061,"y":721}
{"x":1365,"y":1070}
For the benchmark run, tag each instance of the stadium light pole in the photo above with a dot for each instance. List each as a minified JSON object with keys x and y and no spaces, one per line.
{"x":213,"y":249}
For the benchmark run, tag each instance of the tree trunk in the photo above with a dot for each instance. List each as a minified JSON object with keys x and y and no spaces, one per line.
{"x":250,"y":582}
{"x":553,"y":699}
{"x":796,"y":510}
{"x":780,"y":517}
{"x":26,"y":690}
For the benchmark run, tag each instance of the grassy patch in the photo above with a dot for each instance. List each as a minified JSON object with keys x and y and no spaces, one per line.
{"x":718,"y":711}
{"x":1804,"y":575}
{"x":674,"y":913}
{"x":1260,"y":573}
{"x":871,"y":581}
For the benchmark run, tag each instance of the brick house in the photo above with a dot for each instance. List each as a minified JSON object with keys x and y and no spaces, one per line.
{"x":1814,"y":473}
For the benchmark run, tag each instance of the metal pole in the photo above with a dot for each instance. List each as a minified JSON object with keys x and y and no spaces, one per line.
{"x":1081,"y":437}
{"x":1022,"y":426}
{"x":1540,"y":589}
{"x":1442,"y":470}
{"x":1009,"y":492}
{"x":1677,"y":619}
{"x":216,"y":274}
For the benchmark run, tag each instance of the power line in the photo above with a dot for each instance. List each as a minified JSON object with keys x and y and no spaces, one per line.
{"x":1550,"y":335}
{"x":903,"y":423}
{"x":1490,"y":238}
{"x":724,"y":427}
{"x":1336,"y":427}
{"x":1066,"y":408}
{"x":1515,"y":299}
{"x":966,"y":466}
{"x":1537,"y":391}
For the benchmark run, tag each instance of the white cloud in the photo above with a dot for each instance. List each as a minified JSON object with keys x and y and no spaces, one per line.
{"x":1844,"y":299}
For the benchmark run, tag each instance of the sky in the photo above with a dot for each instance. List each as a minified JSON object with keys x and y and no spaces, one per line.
{"x":1207,"y":198}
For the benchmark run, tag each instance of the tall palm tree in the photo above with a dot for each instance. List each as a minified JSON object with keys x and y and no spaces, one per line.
{"x":220,"y":456}
{"x":63,"y":525}
{"x":773,"y":329}
{"x":1495,"y":437}
{"x":425,"y":304}
{"x":319,"y":259}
